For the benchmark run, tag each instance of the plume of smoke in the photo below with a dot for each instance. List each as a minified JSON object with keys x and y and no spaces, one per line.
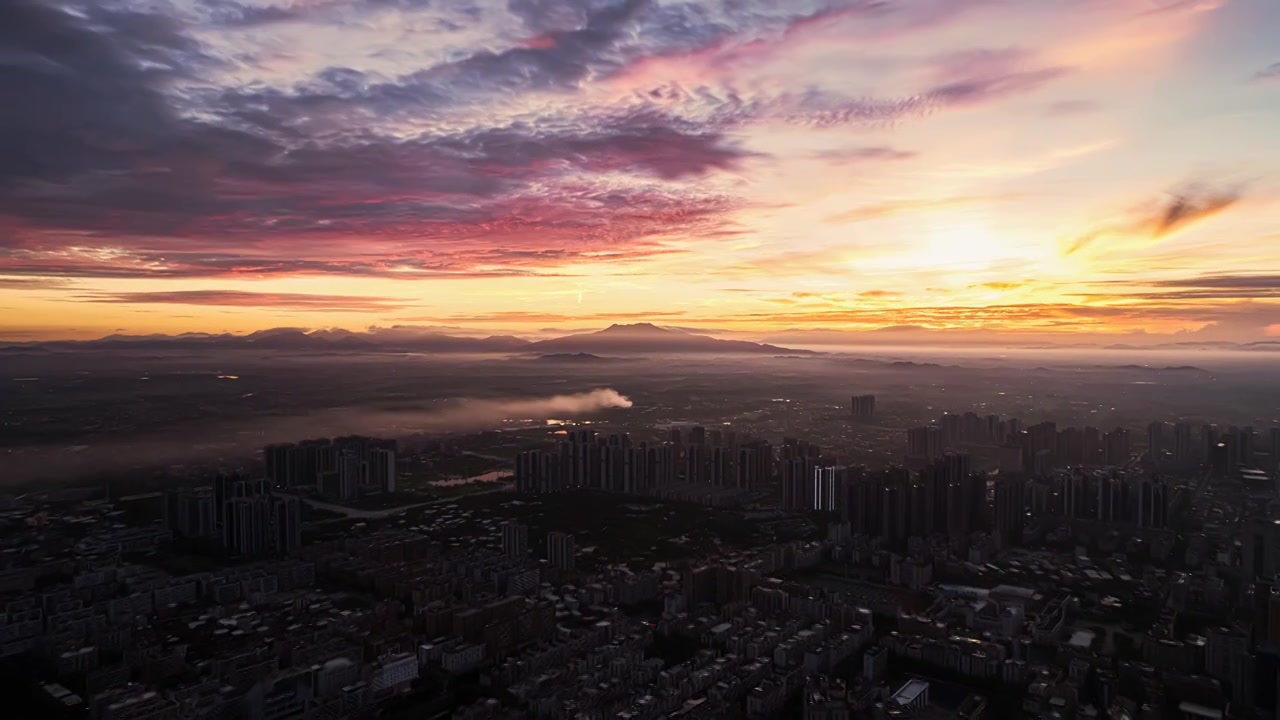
{"x":228,"y":441}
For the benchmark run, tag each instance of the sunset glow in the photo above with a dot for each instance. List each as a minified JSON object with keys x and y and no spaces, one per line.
{"x":1076,"y":170}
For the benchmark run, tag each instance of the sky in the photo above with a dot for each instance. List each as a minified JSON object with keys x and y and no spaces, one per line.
{"x":1065,"y":169}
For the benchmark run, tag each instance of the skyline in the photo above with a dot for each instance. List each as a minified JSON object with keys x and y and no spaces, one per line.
{"x":989,"y":168}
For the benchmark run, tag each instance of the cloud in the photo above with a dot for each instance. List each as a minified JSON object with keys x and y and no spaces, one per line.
{"x":1206,"y":287}
{"x":220,"y":439}
{"x":138,"y":152}
{"x":32,"y":283}
{"x":978,"y":76}
{"x":236,"y":298}
{"x":1109,"y":313}
{"x":1192,"y":204}
{"x":861,"y":154}
{"x":906,"y":207}
{"x":104,"y":172}
{"x":91,"y":85}
{"x":1071,"y":108}
{"x":1000,"y":286}
{"x":521,"y":316}
{"x":1182,"y":208}
{"x":1271,"y":72}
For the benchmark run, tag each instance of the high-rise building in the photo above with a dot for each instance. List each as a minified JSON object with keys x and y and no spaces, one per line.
{"x":1149,"y":502}
{"x":1273,"y":463}
{"x":222,"y":485}
{"x":661,"y":465}
{"x":1011,"y":510}
{"x":675,"y":437}
{"x":1070,"y":447}
{"x":1040,"y":442}
{"x":892,"y":492}
{"x":532,"y":468}
{"x":797,"y":482}
{"x":1208,"y":441}
{"x":1184,"y":455}
{"x":824,"y":488}
{"x":582,"y":456}
{"x":753,"y":465}
{"x":245,"y":531}
{"x":382,"y":468}
{"x":859,"y":505}
{"x":1221,"y":456}
{"x":956,"y":495}
{"x":617,"y":472}
{"x":561,"y":553}
{"x":996,"y":430}
{"x":722,"y":467}
{"x":949,"y":426}
{"x":246,"y":516}
{"x":1110,"y":501}
{"x":1116,"y":444}
{"x":192,"y":514}
{"x":863,"y":407}
{"x":1156,"y":443}
{"x":697,"y":435}
{"x":1075,"y":495}
{"x":924,"y":445}
{"x":283,"y":465}
{"x":697,"y":465}
{"x":1261,"y":549}
{"x":1094,"y":452}
{"x":286,"y":524}
{"x":350,"y":473}
{"x":1244,"y":446}
{"x":515,"y":540}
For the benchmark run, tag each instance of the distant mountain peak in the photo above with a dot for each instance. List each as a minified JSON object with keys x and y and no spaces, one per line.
{"x":646,"y":338}
{"x":643,"y":328}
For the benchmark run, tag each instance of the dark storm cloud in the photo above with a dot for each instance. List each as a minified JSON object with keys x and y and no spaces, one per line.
{"x":83,"y":92}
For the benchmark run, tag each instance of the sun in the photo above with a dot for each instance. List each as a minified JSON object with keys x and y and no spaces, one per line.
{"x":959,"y":243}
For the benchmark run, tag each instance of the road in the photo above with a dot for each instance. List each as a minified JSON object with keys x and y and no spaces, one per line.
{"x":358,"y":514}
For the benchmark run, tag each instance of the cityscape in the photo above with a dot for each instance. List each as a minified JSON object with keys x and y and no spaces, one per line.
{"x":997,"y":568}
{"x":639,"y":360}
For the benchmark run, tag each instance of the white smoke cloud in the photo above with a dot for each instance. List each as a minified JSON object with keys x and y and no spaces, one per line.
{"x":223,"y":442}
{"x":475,"y":414}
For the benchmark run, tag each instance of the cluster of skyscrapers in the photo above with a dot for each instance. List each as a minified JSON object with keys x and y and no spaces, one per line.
{"x":561,"y":548}
{"x":1223,"y":451}
{"x":1043,"y":447}
{"x":244,"y":517}
{"x":617,"y":464}
{"x":863,"y":407}
{"x":340,"y":468}
{"x":809,"y":481}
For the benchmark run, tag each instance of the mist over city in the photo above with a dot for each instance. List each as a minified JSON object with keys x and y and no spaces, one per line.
{"x":639,"y":359}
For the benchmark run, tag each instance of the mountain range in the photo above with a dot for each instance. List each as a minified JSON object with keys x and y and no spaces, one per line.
{"x":634,"y":339}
